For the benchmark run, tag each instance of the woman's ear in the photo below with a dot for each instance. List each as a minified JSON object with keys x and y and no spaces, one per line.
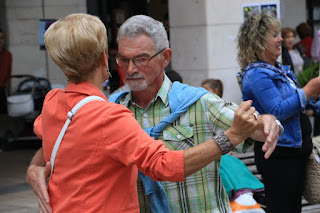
{"x":104,"y":59}
{"x":167,"y":54}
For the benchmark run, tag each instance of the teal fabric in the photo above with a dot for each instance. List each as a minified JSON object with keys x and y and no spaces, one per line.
{"x":235,"y":175}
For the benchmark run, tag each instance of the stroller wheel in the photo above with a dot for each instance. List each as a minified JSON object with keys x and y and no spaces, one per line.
{"x":8,"y":141}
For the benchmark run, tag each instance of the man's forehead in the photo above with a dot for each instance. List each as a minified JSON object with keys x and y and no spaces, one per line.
{"x":135,"y":46}
{"x":141,"y":40}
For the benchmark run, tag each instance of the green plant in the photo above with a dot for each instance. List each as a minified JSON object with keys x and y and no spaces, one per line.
{"x":307,"y":74}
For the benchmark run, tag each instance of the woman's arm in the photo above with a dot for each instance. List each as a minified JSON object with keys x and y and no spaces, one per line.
{"x":268,"y":96}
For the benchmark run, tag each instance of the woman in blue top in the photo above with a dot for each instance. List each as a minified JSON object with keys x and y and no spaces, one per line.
{"x":274,"y":90}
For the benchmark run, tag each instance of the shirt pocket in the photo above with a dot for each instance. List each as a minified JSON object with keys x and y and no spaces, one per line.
{"x":178,"y":137}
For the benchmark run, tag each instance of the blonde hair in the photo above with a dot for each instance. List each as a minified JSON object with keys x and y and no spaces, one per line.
{"x":253,"y":35}
{"x":76,"y":43}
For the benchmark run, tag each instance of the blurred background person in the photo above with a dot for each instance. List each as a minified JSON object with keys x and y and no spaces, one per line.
{"x":315,"y":48}
{"x":213,"y":85}
{"x":290,"y":54}
{"x":274,"y":90}
{"x":5,"y":72}
{"x":304,"y":31}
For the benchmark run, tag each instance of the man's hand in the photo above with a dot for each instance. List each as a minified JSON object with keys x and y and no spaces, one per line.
{"x":36,"y":177}
{"x":244,"y":123}
{"x":268,"y":132}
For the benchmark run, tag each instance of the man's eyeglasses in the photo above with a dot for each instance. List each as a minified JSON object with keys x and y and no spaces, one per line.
{"x":139,"y":61}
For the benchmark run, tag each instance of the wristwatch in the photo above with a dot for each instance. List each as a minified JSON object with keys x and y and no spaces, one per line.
{"x":280,"y":127}
{"x":223,"y":143}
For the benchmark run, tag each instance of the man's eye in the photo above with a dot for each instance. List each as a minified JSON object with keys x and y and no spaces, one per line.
{"x":142,"y":60}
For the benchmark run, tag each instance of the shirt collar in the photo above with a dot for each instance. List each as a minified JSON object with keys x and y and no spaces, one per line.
{"x":85,"y":88}
{"x":164,"y":90}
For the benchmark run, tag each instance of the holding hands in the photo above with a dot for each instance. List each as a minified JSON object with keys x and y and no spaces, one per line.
{"x":248,"y":123}
{"x":244,"y":123}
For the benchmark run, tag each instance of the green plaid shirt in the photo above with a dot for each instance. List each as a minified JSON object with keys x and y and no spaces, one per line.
{"x":210,"y":115}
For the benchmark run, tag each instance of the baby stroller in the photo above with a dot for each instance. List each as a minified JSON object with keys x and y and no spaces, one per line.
{"x":23,"y":106}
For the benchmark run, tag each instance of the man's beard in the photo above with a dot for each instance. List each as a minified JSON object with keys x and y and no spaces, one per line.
{"x":137,"y":85}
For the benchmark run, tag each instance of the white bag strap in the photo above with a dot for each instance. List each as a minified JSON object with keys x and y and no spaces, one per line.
{"x":71,"y":113}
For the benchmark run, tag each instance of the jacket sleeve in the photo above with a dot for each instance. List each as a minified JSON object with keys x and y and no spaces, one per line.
{"x":130,"y":144}
{"x":37,"y":127}
{"x":268,"y":96}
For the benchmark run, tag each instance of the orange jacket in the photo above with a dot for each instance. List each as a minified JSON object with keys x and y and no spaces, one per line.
{"x":97,"y":162}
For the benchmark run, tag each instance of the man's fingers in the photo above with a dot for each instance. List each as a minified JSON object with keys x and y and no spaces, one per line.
{"x":244,"y":106}
{"x":43,"y":192}
{"x":42,"y":185}
{"x":45,"y":208}
{"x":41,"y":207}
{"x":248,"y":112}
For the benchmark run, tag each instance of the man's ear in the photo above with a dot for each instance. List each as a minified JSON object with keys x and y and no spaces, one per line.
{"x":167,"y":55}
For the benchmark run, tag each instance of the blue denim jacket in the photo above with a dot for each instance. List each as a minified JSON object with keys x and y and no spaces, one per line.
{"x":270,"y":90}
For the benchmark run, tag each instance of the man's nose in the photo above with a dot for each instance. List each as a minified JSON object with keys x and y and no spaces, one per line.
{"x":132,"y":68}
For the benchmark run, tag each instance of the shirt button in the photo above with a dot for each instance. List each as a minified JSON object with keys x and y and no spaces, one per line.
{"x":178,"y":136}
{"x":145,"y":115}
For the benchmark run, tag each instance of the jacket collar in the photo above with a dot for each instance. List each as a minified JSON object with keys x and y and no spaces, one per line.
{"x":283,"y":70}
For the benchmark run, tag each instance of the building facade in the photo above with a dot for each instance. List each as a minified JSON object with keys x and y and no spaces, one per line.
{"x":202,"y":33}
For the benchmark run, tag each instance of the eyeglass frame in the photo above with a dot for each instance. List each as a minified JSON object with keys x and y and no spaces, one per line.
{"x":134,"y":59}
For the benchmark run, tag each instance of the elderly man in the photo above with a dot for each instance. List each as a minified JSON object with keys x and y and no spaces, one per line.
{"x":143,"y":54}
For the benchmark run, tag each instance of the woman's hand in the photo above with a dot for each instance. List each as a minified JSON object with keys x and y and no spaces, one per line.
{"x":312,"y":88}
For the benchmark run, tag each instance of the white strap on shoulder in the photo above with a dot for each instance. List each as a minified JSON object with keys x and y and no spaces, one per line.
{"x":71,"y":113}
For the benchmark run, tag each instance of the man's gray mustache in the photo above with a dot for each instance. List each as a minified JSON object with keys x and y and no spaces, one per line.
{"x":136,"y":76}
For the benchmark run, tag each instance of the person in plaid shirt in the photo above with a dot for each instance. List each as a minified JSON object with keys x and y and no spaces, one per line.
{"x":143,"y":54}
{"x":148,"y":100}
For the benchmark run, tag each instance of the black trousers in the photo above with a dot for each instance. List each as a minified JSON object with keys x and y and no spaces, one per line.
{"x":283,"y":177}
{"x":316,"y":130}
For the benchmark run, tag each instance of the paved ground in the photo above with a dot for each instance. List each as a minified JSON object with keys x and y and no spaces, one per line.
{"x":15,"y":194}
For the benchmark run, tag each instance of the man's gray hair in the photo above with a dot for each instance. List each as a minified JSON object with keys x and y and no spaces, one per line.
{"x":145,"y":25}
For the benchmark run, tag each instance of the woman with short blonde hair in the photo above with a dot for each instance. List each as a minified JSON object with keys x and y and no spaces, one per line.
{"x":62,"y":44}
